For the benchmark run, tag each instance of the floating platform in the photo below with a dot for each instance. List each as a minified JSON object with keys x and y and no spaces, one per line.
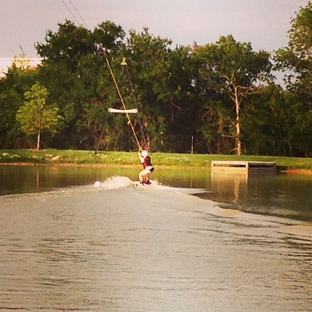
{"x":243,"y":166}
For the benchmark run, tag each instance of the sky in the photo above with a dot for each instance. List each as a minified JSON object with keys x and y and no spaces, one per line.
{"x":264,"y":23}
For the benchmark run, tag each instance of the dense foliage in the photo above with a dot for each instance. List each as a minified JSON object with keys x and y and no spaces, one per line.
{"x":217,"y":98}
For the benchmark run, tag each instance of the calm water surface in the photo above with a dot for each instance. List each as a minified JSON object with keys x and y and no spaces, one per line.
{"x":238,"y":245}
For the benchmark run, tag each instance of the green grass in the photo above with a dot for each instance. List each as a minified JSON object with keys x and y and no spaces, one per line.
{"x":80,"y":157}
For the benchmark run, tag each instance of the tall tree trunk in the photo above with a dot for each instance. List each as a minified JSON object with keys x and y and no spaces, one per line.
{"x":238,"y":141}
{"x":38,"y":141}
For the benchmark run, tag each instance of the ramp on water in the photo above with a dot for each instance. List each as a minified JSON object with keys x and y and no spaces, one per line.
{"x":119,"y":248}
{"x":247,"y":167}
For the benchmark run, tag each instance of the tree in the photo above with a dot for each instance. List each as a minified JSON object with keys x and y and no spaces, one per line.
{"x":12,"y":88}
{"x":296,"y":59}
{"x":276,"y":123}
{"x":79,"y":81}
{"x":35,"y":115}
{"x":146,"y":56}
{"x":233,"y":69}
{"x":162,"y":79}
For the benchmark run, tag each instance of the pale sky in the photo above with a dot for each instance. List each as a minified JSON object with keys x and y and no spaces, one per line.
{"x":264,"y":23}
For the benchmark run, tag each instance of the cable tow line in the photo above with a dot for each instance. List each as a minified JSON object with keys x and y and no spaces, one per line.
{"x":125,"y":66}
{"x":123,"y":103}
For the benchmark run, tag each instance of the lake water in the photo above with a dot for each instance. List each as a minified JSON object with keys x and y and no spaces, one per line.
{"x":285,"y":195}
{"x":240,"y":244}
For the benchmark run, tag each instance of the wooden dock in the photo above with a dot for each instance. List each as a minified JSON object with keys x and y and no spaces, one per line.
{"x":243,"y":166}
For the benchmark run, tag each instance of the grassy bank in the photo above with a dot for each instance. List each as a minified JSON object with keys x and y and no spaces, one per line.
{"x":74,"y":157}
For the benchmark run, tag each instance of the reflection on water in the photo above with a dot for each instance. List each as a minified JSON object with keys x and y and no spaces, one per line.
{"x":229,"y":187}
{"x":280,"y":195}
{"x":269,"y":194}
{"x":26,"y":179}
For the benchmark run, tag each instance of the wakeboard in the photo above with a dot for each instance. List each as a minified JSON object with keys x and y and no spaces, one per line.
{"x":139,"y":184}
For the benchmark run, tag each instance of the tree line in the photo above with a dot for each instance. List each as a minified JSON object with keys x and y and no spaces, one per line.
{"x":220,"y":97}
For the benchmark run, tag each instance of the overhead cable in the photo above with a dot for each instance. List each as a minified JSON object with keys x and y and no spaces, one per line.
{"x":78,"y":13}
{"x":73,"y":15}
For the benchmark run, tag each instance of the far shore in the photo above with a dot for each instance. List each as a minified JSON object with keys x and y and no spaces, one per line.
{"x":53,"y":157}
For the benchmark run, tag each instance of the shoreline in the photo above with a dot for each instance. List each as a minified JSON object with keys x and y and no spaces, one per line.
{"x":296,"y":171}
